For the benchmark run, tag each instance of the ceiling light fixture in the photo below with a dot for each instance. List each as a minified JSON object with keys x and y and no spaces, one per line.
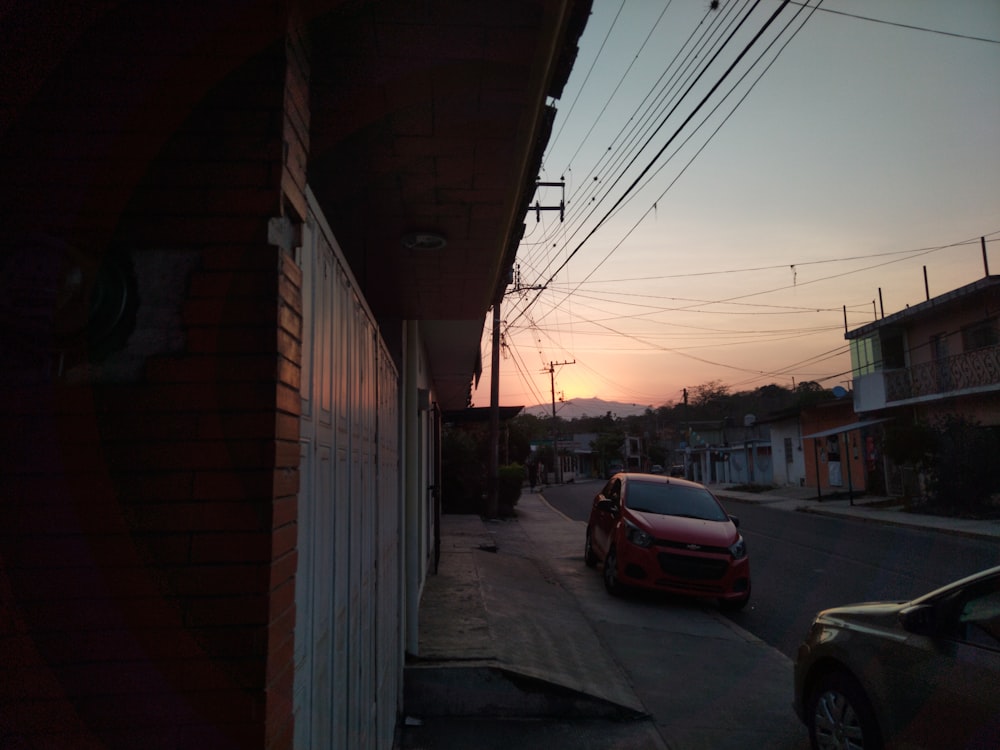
{"x":424,"y":241}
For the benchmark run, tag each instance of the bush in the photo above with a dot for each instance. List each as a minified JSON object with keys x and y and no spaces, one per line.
{"x":912,"y":444}
{"x":463,"y":481}
{"x":965,"y":474}
{"x":510,"y":479}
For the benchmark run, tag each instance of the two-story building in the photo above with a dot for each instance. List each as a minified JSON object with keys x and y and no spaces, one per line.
{"x":939,"y":357}
{"x":931,"y":360}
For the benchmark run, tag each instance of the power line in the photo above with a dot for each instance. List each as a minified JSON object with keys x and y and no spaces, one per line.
{"x":797,"y":264}
{"x":734,"y":300}
{"x":839,"y":275}
{"x":614,"y":208}
{"x":654,"y":110}
{"x":776,"y":309}
{"x":591,"y":70}
{"x":659,"y":153}
{"x":693,"y":307}
{"x":620,"y":81}
{"x":906,"y":25}
{"x":711,"y":136}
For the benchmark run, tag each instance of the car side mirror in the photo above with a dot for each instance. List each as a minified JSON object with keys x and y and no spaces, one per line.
{"x":608,"y":506}
{"x":920,"y":619}
{"x":735,"y":520}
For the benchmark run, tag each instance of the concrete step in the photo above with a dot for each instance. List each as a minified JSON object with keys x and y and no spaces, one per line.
{"x":483,"y":690}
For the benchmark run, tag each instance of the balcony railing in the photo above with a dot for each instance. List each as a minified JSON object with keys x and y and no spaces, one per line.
{"x":975,"y":369}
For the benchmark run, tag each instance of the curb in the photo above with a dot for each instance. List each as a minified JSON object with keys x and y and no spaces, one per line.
{"x":499,"y":692}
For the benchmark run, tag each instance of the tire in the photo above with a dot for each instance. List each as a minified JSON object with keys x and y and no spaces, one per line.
{"x":588,"y":552}
{"x":611,"y":582}
{"x":839,"y":715}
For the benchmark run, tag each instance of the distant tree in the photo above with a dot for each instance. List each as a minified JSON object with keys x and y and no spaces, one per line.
{"x":770,"y":398}
{"x":607,"y":447}
{"x":708,"y":394}
{"x":809,"y":393}
{"x":603,"y":423}
{"x":523,"y":430}
{"x":708,"y":401}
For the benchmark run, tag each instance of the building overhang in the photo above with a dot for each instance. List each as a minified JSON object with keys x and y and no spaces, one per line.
{"x":933,"y":306}
{"x":847,"y":427}
{"x":428,"y":125}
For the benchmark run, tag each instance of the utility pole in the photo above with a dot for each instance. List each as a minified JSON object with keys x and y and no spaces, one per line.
{"x":493,"y":481}
{"x":687,"y":438}
{"x":561,"y":208}
{"x":551,"y":370}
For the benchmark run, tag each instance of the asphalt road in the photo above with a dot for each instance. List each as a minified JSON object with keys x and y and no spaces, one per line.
{"x":802,"y":563}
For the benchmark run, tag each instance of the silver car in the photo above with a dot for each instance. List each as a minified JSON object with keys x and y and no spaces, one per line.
{"x":918,"y":674}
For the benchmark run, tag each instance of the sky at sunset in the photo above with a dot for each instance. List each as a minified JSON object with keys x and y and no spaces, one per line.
{"x":726,"y":198}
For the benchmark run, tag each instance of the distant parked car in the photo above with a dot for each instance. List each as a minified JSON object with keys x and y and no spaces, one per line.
{"x":918,"y":674}
{"x":615,"y":468}
{"x":667,"y":534}
{"x":655,"y":469}
{"x":677,"y":470}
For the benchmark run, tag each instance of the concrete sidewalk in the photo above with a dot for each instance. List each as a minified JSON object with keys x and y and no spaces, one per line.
{"x":519,"y":648}
{"x":507,"y":657}
{"x":865,"y":508}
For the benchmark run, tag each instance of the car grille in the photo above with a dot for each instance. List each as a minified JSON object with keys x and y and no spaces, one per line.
{"x":692,"y":568}
{"x":686,"y":545}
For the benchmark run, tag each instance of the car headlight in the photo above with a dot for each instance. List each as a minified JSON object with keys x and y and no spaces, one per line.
{"x":637,"y":536}
{"x":738,"y":549}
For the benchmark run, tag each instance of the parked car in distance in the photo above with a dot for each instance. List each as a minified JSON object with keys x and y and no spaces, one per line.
{"x":614,"y":468}
{"x":923,"y":673}
{"x":655,"y":469}
{"x":677,"y":470}
{"x":667,"y":534}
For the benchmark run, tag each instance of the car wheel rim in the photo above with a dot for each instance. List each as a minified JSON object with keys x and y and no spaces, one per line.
{"x":837,"y":724}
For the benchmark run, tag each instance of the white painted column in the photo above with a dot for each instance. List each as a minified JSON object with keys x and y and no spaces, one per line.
{"x":412,"y":495}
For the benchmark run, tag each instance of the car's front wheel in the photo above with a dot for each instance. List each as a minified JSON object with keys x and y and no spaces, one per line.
{"x":611,"y":581}
{"x":839,"y":715}
{"x":588,"y":552}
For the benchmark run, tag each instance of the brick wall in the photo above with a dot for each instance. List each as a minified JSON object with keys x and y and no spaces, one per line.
{"x":279,"y":677}
{"x":147,"y":522}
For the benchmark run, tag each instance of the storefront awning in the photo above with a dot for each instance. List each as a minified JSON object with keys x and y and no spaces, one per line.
{"x":848,"y":427}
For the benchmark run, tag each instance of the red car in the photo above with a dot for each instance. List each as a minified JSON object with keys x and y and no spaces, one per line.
{"x":667,"y":534}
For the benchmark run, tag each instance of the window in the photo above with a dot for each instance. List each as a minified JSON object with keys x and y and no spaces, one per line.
{"x":862,"y":356}
{"x":674,"y":500}
{"x":978,"y":616}
{"x":980,"y":335}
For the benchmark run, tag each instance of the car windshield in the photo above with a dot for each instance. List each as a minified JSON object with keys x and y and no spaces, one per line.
{"x":674,"y":500}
